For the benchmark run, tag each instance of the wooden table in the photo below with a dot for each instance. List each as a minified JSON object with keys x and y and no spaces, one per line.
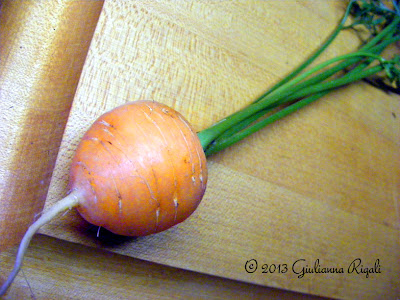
{"x":319,"y":188}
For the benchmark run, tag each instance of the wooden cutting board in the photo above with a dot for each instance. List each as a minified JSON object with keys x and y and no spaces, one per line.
{"x":319,"y":188}
{"x":41,"y":58}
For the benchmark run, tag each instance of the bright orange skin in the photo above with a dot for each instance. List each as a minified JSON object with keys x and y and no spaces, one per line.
{"x":141,"y":169}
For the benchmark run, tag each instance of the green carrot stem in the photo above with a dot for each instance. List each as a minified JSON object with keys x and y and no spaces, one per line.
{"x":228,"y":141}
{"x":385,"y":37}
{"x":342,"y":66}
{"x":291,"y":84}
{"x":336,"y":83}
{"x":370,"y":46}
{"x":222,"y":143}
{"x":319,"y":91}
{"x":316,"y":79}
{"x":248,"y":121}
{"x":301,"y":88}
{"x":338,"y":29}
{"x":208,"y":135}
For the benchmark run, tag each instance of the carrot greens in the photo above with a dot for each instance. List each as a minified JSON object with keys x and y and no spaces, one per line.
{"x":307,"y":83}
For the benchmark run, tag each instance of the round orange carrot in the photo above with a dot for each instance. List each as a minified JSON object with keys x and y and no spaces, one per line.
{"x":138,"y":170}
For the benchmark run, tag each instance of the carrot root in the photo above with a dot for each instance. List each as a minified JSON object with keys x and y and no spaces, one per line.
{"x":67,"y":203}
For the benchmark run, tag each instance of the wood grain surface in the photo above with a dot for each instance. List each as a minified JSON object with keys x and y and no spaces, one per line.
{"x":56,"y":269}
{"x":43,"y":46}
{"x":321,"y":185}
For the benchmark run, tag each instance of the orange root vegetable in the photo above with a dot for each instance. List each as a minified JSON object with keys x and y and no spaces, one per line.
{"x":138,"y":170}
